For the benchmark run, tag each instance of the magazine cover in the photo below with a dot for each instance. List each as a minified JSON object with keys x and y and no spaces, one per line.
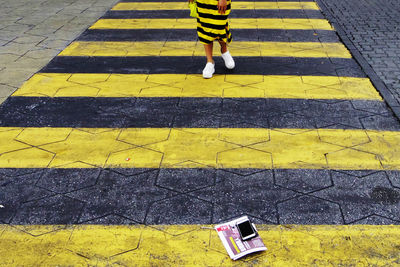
{"x":233,"y":243}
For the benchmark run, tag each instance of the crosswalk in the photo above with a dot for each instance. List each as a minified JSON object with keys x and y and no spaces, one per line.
{"x":123,"y":6}
{"x":238,"y":23}
{"x":240,"y":49}
{"x":200,"y":148}
{"x":192,"y":246}
{"x":137,"y":136}
{"x":186,"y":85}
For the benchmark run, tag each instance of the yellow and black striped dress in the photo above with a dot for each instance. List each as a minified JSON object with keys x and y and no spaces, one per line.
{"x":211,"y":25}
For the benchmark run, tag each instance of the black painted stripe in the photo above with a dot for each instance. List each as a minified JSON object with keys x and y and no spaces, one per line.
{"x":169,"y":196}
{"x":260,"y":13}
{"x":90,"y":112}
{"x":262,"y":35}
{"x":195,"y":65}
{"x":209,"y":37}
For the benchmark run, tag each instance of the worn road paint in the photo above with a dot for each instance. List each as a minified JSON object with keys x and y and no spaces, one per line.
{"x":256,"y":49}
{"x":259,"y":23}
{"x":235,"y":5}
{"x":196,"y":245}
{"x":199,"y":148}
{"x":183,"y":85}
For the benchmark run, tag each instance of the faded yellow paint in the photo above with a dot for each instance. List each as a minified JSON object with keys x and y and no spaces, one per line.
{"x":11,"y":145}
{"x":235,"y":5}
{"x":183,"y":85}
{"x":235,"y":23}
{"x":199,"y":148}
{"x":197,"y":245}
{"x":234,"y":245}
{"x":265,"y":49}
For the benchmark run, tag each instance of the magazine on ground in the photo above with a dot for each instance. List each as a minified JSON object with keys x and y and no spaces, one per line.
{"x":233,"y":243}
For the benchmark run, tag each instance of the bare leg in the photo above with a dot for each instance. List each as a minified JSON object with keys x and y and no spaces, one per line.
{"x":209,"y":69}
{"x":209,"y":52}
{"x":223,"y":45}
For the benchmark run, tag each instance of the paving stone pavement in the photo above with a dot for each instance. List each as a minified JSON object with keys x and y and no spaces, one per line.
{"x":33,"y":32}
{"x":374,"y":28}
{"x":119,"y":152}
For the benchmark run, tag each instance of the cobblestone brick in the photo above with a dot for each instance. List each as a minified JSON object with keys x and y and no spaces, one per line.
{"x":36,"y":31}
{"x":373,"y":27}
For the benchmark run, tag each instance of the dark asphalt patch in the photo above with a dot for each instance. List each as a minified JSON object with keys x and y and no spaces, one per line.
{"x":260,"y":13}
{"x":195,"y":65}
{"x":92,"y":112}
{"x":192,"y":196}
{"x":255,"y":35}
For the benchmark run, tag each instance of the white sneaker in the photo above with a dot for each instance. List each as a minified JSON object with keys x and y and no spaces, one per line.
{"x":209,"y":70}
{"x":229,"y":62}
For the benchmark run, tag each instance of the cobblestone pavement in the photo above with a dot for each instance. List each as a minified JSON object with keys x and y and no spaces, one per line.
{"x":374,"y":28}
{"x":33,"y":32}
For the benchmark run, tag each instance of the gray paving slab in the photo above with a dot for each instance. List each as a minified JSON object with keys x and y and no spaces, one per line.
{"x":394,"y":178}
{"x":38,"y":30}
{"x":372,"y":28}
{"x":303,"y":182}
{"x":184,"y":196}
{"x":111,"y":219}
{"x":130,"y":196}
{"x":184,"y":208}
{"x":309,"y":210}
{"x":360,"y":197}
{"x":64,"y":181}
{"x":17,"y":189}
{"x":64,"y":210}
{"x":254,"y":194}
{"x":32,"y":33}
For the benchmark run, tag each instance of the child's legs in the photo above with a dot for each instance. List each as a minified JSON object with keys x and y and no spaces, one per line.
{"x":209,"y":52}
{"x":223,"y":45}
{"x":209,"y":49}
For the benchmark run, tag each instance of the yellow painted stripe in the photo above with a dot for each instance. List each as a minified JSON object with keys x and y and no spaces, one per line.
{"x":264,"y":49}
{"x":234,"y":244}
{"x":182,"y":85}
{"x":196,"y":245}
{"x":235,"y":5}
{"x":259,"y":23}
{"x":199,"y":148}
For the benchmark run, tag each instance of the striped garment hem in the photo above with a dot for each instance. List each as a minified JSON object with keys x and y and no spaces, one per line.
{"x":207,"y":37}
